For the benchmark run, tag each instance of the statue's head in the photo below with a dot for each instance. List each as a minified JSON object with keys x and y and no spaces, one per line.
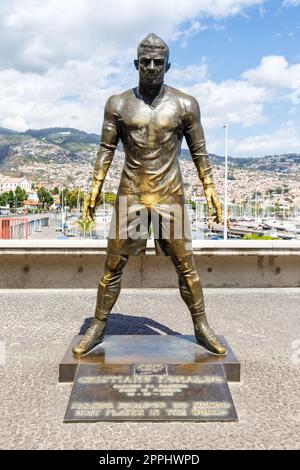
{"x":153,"y":59}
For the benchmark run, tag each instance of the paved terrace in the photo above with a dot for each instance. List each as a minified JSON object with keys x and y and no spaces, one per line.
{"x":262,"y":326}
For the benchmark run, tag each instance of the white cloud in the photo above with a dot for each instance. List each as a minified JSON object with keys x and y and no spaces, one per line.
{"x":286,"y":139}
{"x":191,"y":73}
{"x":51,"y":51}
{"x":59,"y":61}
{"x":193,"y":29}
{"x":17,"y":123}
{"x":37,"y":34}
{"x":291,"y":3}
{"x":275,"y":71}
{"x":245,"y":102}
{"x":262,"y":11}
{"x":232,"y":101}
{"x":73,"y":96}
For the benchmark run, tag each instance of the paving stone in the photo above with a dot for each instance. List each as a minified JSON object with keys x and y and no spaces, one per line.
{"x":262,"y":326}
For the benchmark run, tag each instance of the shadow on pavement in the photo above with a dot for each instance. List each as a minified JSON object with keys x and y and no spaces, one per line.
{"x":119,"y":324}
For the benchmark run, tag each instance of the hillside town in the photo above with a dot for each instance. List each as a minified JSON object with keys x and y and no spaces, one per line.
{"x":52,"y":168}
{"x":244,"y":185}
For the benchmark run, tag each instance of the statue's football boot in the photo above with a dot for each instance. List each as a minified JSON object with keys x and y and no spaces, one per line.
{"x":93,"y":336}
{"x":206,"y":338}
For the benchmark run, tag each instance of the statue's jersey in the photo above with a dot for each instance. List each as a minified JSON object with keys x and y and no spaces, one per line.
{"x":152,"y":137}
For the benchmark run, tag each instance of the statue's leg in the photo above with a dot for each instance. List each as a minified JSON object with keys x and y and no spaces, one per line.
{"x":108,"y":292}
{"x":110,"y":285}
{"x":192,"y":294}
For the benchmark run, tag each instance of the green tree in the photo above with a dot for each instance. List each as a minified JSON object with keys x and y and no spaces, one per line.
{"x":72,"y":198}
{"x":7,"y":198}
{"x":191,"y":203}
{"x":63,"y":195}
{"x":253,"y":236}
{"x":11,"y":199}
{"x":85,"y":225}
{"x":55,"y":190}
{"x":45,"y":197}
{"x":277,"y":208}
{"x":3,"y":199}
{"x":110,"y":198}
{"x":20,"y":196}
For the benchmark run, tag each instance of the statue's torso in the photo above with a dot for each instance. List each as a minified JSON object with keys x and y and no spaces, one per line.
{"x":151,"y":137}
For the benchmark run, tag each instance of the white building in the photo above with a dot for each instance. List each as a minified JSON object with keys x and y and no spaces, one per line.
{"x":7,"y":183}
{"x":32,"y":196}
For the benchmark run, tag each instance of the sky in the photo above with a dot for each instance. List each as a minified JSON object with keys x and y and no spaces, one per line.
{"x":61,"y":60}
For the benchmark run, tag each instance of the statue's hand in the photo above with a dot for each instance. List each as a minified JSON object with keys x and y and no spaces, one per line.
{"x":213,"y":203}
{"x":89,"y":207}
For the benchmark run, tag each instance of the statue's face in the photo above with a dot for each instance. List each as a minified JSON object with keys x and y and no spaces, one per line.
{"x":152,"y":67}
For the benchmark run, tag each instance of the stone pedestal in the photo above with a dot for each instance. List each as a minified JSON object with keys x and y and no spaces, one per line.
{"x":149,"y":378}
{"x":152,"y":349}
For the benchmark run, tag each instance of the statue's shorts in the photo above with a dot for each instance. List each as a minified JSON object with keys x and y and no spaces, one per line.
{"x":136,"y":218}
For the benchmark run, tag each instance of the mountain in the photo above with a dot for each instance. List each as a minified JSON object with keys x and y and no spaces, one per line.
{"x":68,"y":145}
{"x":289,"y":163}
{"x":52,"y":145}
{"x":218,"y":160}
{"x":68,"y":138}
{"x":8,"y":131}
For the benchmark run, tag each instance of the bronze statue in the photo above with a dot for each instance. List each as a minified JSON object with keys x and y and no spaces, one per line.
{"x":151,"y":121}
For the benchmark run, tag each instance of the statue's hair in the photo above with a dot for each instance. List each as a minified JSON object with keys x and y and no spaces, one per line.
{"x":153,"y":42}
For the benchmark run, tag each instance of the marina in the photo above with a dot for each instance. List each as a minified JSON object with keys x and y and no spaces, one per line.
{"x":55,"y":226}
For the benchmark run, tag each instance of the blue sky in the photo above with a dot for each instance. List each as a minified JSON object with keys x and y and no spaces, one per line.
{"x":237,"y":43}
{"x":239,"y":58}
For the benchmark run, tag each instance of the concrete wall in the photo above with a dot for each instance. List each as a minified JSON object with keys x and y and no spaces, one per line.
{"x":79,"y":264}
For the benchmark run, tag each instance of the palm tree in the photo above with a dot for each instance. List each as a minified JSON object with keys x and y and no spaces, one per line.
{"x":86,"y":225}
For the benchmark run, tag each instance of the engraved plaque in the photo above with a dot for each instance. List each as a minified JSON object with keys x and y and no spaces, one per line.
{"x":150,"y":392}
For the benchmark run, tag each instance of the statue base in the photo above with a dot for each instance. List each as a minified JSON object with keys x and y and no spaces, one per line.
{"x":149,"y":349}
{"x":149,"y":378}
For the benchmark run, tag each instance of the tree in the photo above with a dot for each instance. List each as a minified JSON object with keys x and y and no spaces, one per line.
{"x":191,"y":203}
{"x":11,"y":199}
{"x":3,"y":199}
{"x":86,"y":225}
{"x":253,"y":236}
{"x":63,"y":194}
{"x":277,"y":207}
{"x":20,"y":196}
{"x":7,"y":198}
{"x":44,"y":197}
{"x":55,"y":190}
{"x":110,"y":198}
{"x":72,"y":198}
